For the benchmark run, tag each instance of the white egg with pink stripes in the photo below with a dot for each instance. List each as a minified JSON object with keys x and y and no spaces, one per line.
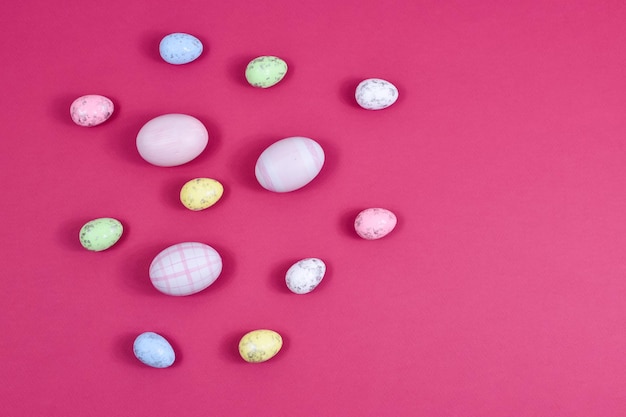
{"x":185,"y":268}
{"x":289,"y":164}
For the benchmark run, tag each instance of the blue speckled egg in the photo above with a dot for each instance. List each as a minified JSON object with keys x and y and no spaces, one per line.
{"x":153,"y":350}
{"x":180,"y":48}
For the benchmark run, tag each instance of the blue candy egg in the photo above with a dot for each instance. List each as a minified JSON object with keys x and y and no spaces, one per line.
{"x":180,"y":48}
{"x":153,"y":350}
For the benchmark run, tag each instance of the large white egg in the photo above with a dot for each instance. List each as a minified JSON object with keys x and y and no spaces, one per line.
{"x":172,"y":139}
{"x":185,"y":268}
{"x":289,"y":164}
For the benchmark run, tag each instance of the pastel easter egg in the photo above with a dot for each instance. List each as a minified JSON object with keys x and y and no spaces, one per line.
{"x":376,"y":94}
{"x":305,"y":275}
{"x":265,"y":71}
{"x":180,"y":48}
{"x":289,"y":164}
{"x":375,"y":223}
{"x":260,"y":345}
{"x":91,"y":110}
{"x":185,"y":268}
{"x":154,"y":350}
{"x":100,"y":234}
{"x":201,"y":193}
{"x":172,"y":139}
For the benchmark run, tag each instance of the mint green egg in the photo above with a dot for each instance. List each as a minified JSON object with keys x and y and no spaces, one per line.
{"x":265,"y":71}
{"x":100,"y":234}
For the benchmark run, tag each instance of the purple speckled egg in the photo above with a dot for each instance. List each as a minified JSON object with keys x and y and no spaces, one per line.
{"x":289,"y":164}
{"x":374,"y":223}
{"x":172,"y":139}
{"x":91,"y":110}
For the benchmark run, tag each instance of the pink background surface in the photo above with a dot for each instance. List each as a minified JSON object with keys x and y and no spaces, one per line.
{"x":500,"y":293}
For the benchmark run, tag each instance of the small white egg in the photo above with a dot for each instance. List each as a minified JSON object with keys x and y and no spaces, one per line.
{"x":376,"y":94}
{"x":305,"y":275}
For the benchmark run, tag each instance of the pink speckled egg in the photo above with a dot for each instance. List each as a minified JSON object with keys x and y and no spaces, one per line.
{"x":172,"y":139}
{"x":185,"y":268}
{"x":374,"y":223}
{"x":91,"y":110}
{"x":289,"y":164}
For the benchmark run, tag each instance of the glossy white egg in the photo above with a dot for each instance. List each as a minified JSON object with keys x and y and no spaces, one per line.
{"x":289,"y":164}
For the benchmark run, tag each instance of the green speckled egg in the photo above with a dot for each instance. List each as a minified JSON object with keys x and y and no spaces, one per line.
{"x":265,"y":71}
{"x":100,"y":234}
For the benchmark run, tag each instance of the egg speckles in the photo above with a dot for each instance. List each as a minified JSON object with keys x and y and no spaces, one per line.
{"x":100,"y":234}
{"x":91,"y":110}
{"x":260,"y":345}
{"x":265,"y":71}
{"x":305,"y":275}
{"x":375,"y":223}
{"x":201,"y":193}
{"x":180,"y":48}
{"x":376,"y":94}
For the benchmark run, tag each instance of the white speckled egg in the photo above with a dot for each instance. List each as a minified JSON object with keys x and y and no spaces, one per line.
{"x":172,"y":139}
{"x":185,"y":268}
{"x":180,"y":48}
{"x":153,"y":350}
{"x":91,"y":110}
{"x":376,"y":94}
{"x":374,"y":223}
{"x":260,"y":345}
{"x":289,"y":164}
{"x":305,"y":275}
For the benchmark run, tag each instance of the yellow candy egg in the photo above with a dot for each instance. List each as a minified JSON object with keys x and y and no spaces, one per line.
{"x":260,"y":345}
{"x":201,"y":193}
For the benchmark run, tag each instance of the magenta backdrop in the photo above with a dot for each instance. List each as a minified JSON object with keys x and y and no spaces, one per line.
{"x":500,"y":293}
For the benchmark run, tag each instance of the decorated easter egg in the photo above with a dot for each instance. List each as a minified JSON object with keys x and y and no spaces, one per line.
{"x":265,"y":71}
{"x":201,"y":193}
{"x":376,"y":94}
{"x":180,"y":48}
{"x":374,"y":223}
{"x":305,"y":275}
{"x":260,"y":345}
{"x":91,"y":110}
{"x":185,"y":268}
{"x":100,"y":234}
{"x":172,"y":139}
{"x":289,"y":164}
{"x":153,"y":350}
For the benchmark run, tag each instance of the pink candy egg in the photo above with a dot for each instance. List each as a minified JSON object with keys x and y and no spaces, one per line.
{"x":91,"y":110}
{"x":289,"y":164}
{"x":185,"y":268}
{"x":374,"y":223}
{"x":172,"y":139}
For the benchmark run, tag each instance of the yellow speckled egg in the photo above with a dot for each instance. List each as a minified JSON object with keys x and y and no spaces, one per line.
{"x":260,"y":345}
{"x":201,"y":193}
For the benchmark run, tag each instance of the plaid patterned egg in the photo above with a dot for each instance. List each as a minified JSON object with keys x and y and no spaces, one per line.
{"x":185,"y":268}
